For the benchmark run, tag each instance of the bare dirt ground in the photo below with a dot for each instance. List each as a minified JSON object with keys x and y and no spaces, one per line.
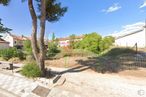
{"x":83,"y":80}
{"x":92,"y":84}
{"x":82,"y":63}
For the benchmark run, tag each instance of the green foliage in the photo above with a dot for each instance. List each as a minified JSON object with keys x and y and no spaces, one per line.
{"x":53,"y":37}
{"x":54,"y":11}
{"x":52,"y":47}
{"x":31,"y":70}
{"x":3,"y":29}
{"x":11,"y":52}
{"x":4,"y":2}
{"x":106,"y":42}
{"x":72,"y":41}
{"x":90,"y":42}
{"x":95,"y":43}
{"x":27,"y":47}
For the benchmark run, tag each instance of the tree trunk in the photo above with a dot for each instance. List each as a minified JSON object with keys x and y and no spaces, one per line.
{"x":39,"y":53}
{"x":34,"y":30}
{"x":42,"y":33}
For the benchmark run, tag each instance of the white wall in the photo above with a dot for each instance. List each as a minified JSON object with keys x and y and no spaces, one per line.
{"x":4,"y":45}
{"x":130,"y":40}
{"x":9,"y":39}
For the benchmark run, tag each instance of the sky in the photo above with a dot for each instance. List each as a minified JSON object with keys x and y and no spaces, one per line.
{"x":83,"y":16}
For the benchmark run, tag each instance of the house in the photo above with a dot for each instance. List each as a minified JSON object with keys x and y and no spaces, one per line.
{"x":64,"y":42}
{"x":131,"y":35}
{"x":3,"y":44}
{"x":13,"y":40}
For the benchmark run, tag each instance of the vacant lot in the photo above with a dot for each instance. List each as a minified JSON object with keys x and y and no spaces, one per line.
{"x":83,"y":63}
{"x":92,"y":84}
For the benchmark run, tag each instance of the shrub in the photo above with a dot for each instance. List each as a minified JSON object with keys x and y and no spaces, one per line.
{"x":27,"y":47}
{"x":52,"y":49}
{"x":11,"y":52}
{"x":8,"y":53}
{"x":31,"y":70}
{"x":20,"y":55}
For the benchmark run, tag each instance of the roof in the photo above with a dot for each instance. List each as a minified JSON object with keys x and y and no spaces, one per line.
{"x":3,"y":41}
{"x":127,"y":34}
{"x":21,"y":38}
{"x":130,"y":30}
{"x":68,"y":38}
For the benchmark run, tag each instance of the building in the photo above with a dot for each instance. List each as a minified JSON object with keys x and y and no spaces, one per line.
{"x":13,"y":40}
{"x":131,"y":35}
{"x":64,"y":42}
{"x":3,"y":44}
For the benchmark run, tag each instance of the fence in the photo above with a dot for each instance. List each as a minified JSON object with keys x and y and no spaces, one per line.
{"x":133,"y":61}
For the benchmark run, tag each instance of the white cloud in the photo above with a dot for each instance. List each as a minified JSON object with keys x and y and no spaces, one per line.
{"x":129,"y":28}
{"x":112,"y":8}
{"x":143,"y":5}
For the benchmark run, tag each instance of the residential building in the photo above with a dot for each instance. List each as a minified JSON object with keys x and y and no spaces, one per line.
{"x":64,"y":42}
{"x":13,"y":40}
{"x":3,"y":44}
{"x":131,"y":35}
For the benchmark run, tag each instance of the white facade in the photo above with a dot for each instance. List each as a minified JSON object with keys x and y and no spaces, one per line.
{"x":13,"y":40}
{"x":130,"y":35}
{"x":7,"y":37}
{"x":130,"y":40}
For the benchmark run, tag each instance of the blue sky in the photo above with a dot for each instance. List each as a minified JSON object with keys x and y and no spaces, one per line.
{"x":83,"y":16}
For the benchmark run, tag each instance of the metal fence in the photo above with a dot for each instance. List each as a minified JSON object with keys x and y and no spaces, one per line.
{"x":133,"y":61}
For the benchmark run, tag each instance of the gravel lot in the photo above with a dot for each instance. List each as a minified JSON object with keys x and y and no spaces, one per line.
{"x":92,"y":84}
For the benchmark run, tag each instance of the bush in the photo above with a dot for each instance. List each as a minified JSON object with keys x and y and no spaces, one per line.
{"x":8,"y":53}
{"x":95,"y":43}
{"x":31,"y":70}
{"x":52,"y":49}
{"x":27,"y":47}
{"x":11,"y":52}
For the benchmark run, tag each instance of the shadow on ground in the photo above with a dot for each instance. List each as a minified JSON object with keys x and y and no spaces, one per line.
{"x":115,"y":60}
{"x":112,"y":61}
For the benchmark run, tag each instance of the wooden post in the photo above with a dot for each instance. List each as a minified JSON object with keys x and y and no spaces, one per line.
{"x":136,"y":47}
{"x":11,"y":66}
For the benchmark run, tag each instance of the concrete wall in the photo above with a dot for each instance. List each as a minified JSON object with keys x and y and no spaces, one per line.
{"x":130,"y":40}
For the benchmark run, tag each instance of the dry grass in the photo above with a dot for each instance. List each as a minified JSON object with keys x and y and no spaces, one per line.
{"x":66,"y":62}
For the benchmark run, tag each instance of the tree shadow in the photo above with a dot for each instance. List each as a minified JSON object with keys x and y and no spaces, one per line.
{"x":116,"y":60}
{"x":113,"y":61}
{"x":70,"y":70}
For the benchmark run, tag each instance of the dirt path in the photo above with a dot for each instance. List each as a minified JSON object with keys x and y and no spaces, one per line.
{"x":91,"y":84}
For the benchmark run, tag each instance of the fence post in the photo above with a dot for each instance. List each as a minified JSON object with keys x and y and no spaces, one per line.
{"x":136,"y":47}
